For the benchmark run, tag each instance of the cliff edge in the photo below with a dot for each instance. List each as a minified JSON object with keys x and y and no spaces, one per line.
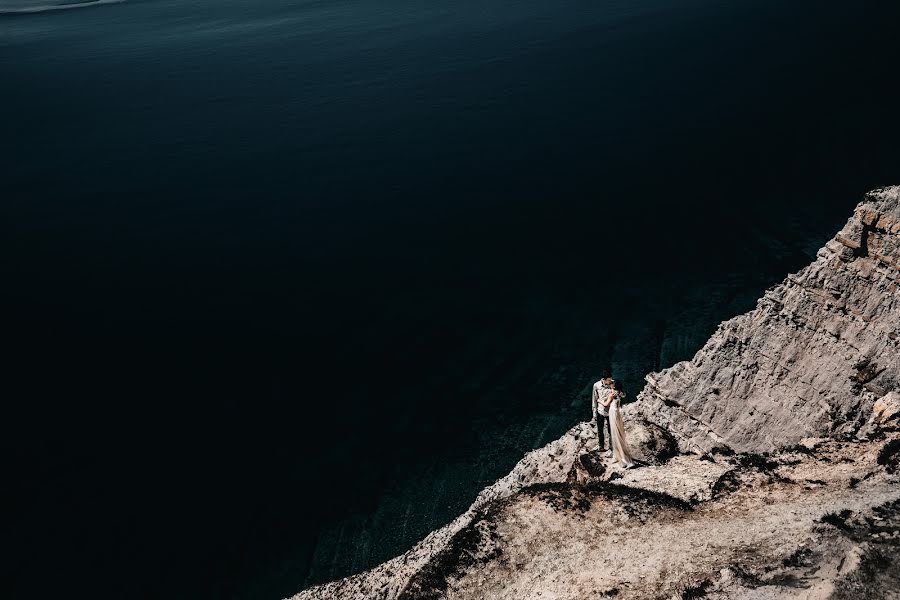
{"x":819,"y":349}
{"x":772,"y":460}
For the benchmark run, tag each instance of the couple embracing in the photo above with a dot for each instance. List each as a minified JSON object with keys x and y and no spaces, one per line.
{"x":606,"y":406}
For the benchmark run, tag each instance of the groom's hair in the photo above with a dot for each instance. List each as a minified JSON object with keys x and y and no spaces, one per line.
{"x":606,"y":374}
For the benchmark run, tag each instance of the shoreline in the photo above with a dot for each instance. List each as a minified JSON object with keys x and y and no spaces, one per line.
{"x":30,"y":10}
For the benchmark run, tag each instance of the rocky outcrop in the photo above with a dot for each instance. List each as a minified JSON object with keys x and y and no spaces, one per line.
{"x":773,"y":527}
{"x":819,"y":349}
{"x":772,"y":460}
{"x":886,"y":409}
{"x":558,"y":461}
{"x":816,"y":521}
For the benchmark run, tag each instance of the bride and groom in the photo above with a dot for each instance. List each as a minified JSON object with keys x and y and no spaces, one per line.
{"x":606,"y":407}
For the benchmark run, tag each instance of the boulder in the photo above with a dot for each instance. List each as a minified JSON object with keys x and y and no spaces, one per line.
{"x":886,"y":409}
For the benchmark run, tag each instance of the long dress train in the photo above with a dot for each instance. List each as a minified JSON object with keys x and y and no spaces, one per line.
{"x":621,"y":451}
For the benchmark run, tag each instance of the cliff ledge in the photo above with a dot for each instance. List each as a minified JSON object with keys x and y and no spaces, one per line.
{"x":773,"y":463}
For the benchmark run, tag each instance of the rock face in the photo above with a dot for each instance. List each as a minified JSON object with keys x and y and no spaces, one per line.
{"x":810,"y":377}
{"x":819,"y":349}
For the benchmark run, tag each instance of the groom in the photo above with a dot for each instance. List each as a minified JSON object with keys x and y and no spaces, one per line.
{"x":599,"y":394}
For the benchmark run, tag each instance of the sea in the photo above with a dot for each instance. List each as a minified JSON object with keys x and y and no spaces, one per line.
{"x":285,"y":283}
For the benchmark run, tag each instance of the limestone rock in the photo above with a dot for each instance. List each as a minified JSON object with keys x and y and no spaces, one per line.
{"x":803,"y":378}
{"x":556,"y":462}
{"x":809,"y":361}
{"x":887,"y":408}
{"x":650,"y":442}
{"x":683,"y":477}
{"x":726,"y":525}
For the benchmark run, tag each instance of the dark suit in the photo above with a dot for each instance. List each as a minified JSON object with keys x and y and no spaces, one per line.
{"x":602,"y":422}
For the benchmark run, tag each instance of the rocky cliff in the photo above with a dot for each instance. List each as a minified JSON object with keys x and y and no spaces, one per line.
{"x":772,"y":464}
{"x":810,"y":360}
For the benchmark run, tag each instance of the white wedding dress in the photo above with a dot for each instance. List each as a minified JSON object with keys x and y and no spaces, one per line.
{"x":621,"y":451}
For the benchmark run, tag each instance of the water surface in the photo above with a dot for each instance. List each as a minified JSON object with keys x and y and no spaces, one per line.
{"x":288,"y":282}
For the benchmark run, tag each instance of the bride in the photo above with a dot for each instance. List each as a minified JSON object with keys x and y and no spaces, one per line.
{"x":621,"y":451}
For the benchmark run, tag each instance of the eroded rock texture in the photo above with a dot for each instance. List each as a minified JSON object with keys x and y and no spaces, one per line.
{"x":771,"y":464}
{"x":412,"y":575}
{"x":819,"y":349}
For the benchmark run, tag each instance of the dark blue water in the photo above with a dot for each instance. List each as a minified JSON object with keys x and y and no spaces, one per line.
{"x":285,"y":283}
